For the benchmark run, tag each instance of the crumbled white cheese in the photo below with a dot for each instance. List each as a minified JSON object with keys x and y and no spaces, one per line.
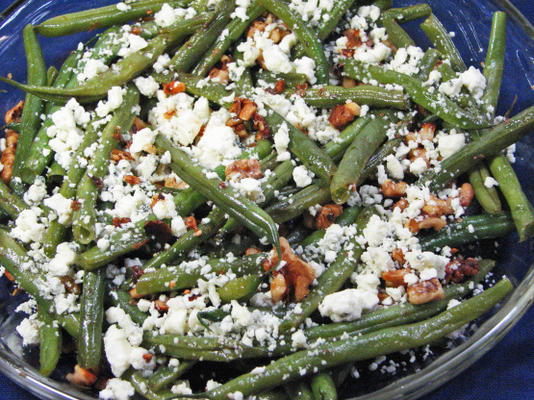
{"x":348,"y":304}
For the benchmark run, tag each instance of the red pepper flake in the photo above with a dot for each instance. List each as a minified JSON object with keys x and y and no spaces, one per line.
{"x":191,"y":223}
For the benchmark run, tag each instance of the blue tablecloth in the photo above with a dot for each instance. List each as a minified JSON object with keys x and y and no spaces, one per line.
{"x":506,"y":373}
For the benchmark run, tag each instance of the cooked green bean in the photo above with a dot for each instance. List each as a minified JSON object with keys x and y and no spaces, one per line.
{"x":488,"y":198}
{"x":323,"y":387}
{"x":384,"y":341}
{"x":312,"y":46}
{"x":50,"y":340}
{"x":357,"y":156}
{"x":33,"y":106}
{"x":405,"y":14}
{"x":188,"y":55}
{"x":299,"y":390}
{"x":330,"y":96}
{"x":427,"y":64}
{"x":398,"y":36}
{"x":83,"y":225}
{"x":102,"y":17}
{"x":92,"y":316}
{"x":490,"y":143}
{"x":10,"y":203}
{"x":440,"y":105}
{"x":442,"y":41}
{"x":164,"y":376}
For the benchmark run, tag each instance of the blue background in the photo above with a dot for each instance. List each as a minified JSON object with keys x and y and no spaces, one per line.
{"x":507,"y":372}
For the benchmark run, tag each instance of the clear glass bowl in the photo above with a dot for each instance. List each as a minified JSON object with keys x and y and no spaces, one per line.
{"x":470,"y":19}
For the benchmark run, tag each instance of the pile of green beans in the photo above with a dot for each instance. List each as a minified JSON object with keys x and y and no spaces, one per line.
{"x":237,"y":251}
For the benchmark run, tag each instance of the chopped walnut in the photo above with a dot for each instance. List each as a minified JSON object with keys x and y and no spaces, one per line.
{"x":459,"y":268}
{"x":256,"y":26}
{"x":425,"y":133}
{"x":393,"y":189}
{"x":252,"y":250}
{"x":301,"y":89}
{"x":395,"y":277}
{"x":117,"y":155}
{"x":295,"y":276}
{"x":353,"y":38}
{"x":132,"y":179}
{"x":425,"y":291}
{"x":261,"y":127}
{"x":342,"y":114}
{"x":173,"y":87}
{"x":117,"y":222}
{"x":238,"y":126}
{"x":81,"y":377}
{"x":466,"y":194}
{"x":398,"y":256}
{"x":246,"y":168}
{"x":414,"y":154}
{"x":14,"y":113}
{"x":244,"y":108}
{"x":8,"y":155}
{"x":277,"y":34}
{"x":191,"y":223}
{"x":436,"y":207}
{"x":170,"y":182}
{"x":156,"y":198}
{"x":161,"y":306}
{"x":70,"y":284}
{"x":220,"y":75}
{"x":328,"y":215}
{"x":402,"y":204}
{"x":426,"y":223}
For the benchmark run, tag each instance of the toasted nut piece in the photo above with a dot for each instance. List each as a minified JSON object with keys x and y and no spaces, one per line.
{"x":458,"y":269}
{"x":117,"y":222}
{"x":70,"y":284}
{"x":277,"y":34}
{"x":342,"y":114}
{"x":425,"y":133}
{"x":395,"y":277}
{"x":260,"y":125}
{"x":392,"y":189}
{"x":132,"y":180}
{"x":246,"y":168}
{"x":436,"y":207}
{"x":219,"y":75}
{"x":191,"y":223}
{"x":348,"y":82}
{"x":252,"y":250}
{"x":8,"y":155}
{"x":138,"y":125}
{"x":353,"y":38}
{"x":256,"y":26}
{"x":425,"y":291}
{"x":414,"y":154}
{"x":161,"y":306}
{"x":427,"y":223}
{"x":402,"y":204}
{"x":466,"y":194}
{"x":81,"y":377}
{"x":296,"y":275}
{"x":328,"y":215}
{"x":173,"y":87}
{"x":248,"y":110}
{"x":14,"y":113}
{"x":117,"y":155}
{"x":398,"y":256}
{"x":170,"y":182}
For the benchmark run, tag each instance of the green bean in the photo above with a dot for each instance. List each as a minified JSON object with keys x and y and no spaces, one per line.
{"x":494,"y":65}
{"x":399,"y":314}
{"x":520,"y":207}
{"x":290,"y":79}
{"x":323,"y":387}
{"x":275,"y":394}
{"x":299,"y":390}
{"x":327,"y":25}
{"x":121,"y":298}
{"x":311,"y":43}
{"x":50,"y":340}
{"x":242,"y":209}
{"x":405,"y":14}
{"x":313,"y":157}
{"x":330,"y":96}
{"x":468,"y":230}
{"x":33,"y":106}
{"x":101,"y":17}
{"x":55,"y":234}
{"x":442,"y":41}
{"x":186,"y":342}
{"x":188,"y":55}
{"x":383,"y":4}
{"x":40,"y":154}
{"x":378,"y":158}
{"x":336,"y":148}
{"x":293,"y":206}
{"x":235,"y":28}
{"x":488,"y":198}
{"x":92,"y":316}
{"x":432,"y":101}
{"x":239,"y":288}
{"x":83,"y":220}
{"x":427,"y":64}
{"x":141,"y":386}
{"x":51,"y":75}
{"x":164,"y":375}
{"x":10,"y":203}
{"x":367,"y":346}
{"x":331,"y":280}
{"x":123,"y":71}
{"x":490,"y":143}
{"x":398,"y":36}
{"x":199,"y":5}
{"x":357,"y":156}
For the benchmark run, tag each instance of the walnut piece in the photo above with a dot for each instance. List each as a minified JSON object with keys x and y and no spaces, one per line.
{"x":425,"y":291}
